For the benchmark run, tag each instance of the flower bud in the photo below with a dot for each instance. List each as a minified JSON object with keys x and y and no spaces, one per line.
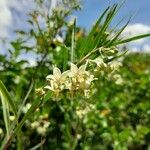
{"x":40,"y":92}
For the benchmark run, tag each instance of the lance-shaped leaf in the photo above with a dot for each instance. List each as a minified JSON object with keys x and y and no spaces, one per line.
{"x":5,"y":114}
{"x":7,"y":98}
{"x":36,"y":103}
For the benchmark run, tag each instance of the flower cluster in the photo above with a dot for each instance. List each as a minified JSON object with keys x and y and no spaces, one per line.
{"x":79,"y":79}
{"x":82,"y":112}
{"x":108,"y":51}
{"x":75,"y":79}
{"x":108,"y":68}
{"x":41,"y":125}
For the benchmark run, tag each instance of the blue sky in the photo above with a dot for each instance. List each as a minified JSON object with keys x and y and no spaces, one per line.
{"x":13,"y":16}
{"x":140,"y":23}
{"x":93,"y":8}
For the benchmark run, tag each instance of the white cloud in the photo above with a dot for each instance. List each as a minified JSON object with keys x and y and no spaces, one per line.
{"x":12,"y":14}
{"x":5,"y":18}
{"x":21,"y":5}
{"x":146,"y":48}
{"x":53,"y":3}
{"x":134,"y":49}
{"x":134,"y":30}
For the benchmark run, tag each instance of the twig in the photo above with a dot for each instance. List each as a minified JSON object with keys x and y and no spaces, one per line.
{"x":38,"y":145}
{"x":87,"y":56}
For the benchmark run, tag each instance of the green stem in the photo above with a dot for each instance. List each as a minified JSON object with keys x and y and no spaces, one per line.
{"x":74,"y":143}
{"x":73,"y":41}
{"x":87,"y":56}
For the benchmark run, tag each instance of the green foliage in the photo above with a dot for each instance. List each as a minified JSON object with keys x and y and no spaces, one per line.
{"x":6,"y":97}
{"x":115,"y":116}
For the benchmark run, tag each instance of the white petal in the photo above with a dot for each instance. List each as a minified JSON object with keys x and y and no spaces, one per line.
{"x":81,"y":79}
{"x":65,"y":74}
{"x":48,"y":87}
{"x":82,"y":69}
{"x":74,"y":69}
{"x":56,"y":72}
{"x":99,"y":61}
{"x":52,"y":83}
{"x":50,"y":77}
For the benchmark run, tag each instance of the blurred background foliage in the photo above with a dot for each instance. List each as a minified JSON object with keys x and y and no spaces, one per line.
{"x":120,"y":119}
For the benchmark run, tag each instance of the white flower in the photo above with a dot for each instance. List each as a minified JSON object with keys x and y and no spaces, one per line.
{"x":40,"y":92}
{"x":99,"y":62}
{"x":75,"y":71}
{"x":77,"y":74}
{"x":12,"y":118}
{"x":108,"y":51}
{"x":57,"y":75}
{"x":78,"y":136}
{"x":35,"y":124}
{"x":57,"y":81}
{"x":114,"y":65}
{"x":41,"y":130}
{"x":26,"y":108}
{"x":82,"y":112}
{"x":42,"y":127}
{"x":87,"y":93}
{"x":118,"y":79}
{"x":46,"y":124}
{"x":44,"y":116}
{"x":80,"y":79}
{"x":72,"y":80}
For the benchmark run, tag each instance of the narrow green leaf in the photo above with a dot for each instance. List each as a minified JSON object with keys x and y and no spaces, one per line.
{"x":7,"y":98}
{"x":100,"y":36}
{"x":87,"y":41}
{"x":73,"y":40}
{"x":5,"y":114}
{"x":117,"y":35}
{"x":92,"y":32}
{"x":31,"y":110}
{"x":25,"y":99}
{"x":132,"y":39}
